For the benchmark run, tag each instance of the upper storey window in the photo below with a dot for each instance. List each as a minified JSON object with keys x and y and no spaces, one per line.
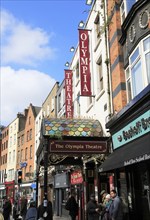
{"x":97,"y":28}
{"x":138,"y":72}
{"x":125,"y":7}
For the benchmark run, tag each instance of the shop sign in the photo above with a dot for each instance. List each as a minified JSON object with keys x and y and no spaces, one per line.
{"x":61,"y":180}
{"x":137,"y":159}
{"x":78,"y":147}
{"x":23,"y":164}
{"x":133,"y":130}
{"x":76,"y":177}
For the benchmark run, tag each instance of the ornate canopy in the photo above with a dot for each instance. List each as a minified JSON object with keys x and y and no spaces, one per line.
{"x":72,"y":127}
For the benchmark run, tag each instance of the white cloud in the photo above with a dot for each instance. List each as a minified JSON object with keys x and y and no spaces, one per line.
{"x":19,"y":89}
{"x":23,"y":44}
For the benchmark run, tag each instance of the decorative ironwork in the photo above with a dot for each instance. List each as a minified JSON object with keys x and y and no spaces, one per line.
{"x":56,"y":158}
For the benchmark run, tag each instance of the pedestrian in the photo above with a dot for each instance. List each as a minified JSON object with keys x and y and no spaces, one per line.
{"x":15,"y":211}
{"x":115,"y":209}
{"x":23,"y":210}
{"x":103,"y":197}
{"x":72,"y":206}
{"x":7,"y":208}
{"x":105,"y":213}
{"x":93,"y":210}
{"x":31,"y":212}
{"x":45,"y":212}
{"x":102,"y":204}
{"x":1,"y":215}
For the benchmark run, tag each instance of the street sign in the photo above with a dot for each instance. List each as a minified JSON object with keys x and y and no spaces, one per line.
{"x":23,"y":164}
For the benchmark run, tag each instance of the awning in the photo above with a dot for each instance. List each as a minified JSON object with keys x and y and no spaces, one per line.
{"x":134,"y":152}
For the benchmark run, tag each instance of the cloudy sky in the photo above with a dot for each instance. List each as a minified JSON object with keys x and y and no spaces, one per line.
{"x":36,"y":36}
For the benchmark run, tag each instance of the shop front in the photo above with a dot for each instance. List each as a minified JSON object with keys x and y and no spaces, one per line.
{"x":10,"y":190}
{"x":71,"y":143}
{"x":61,"y":186}
{"x":130,"y":160}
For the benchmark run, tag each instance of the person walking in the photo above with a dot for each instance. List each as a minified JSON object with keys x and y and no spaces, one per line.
{"x":23,"y":207}
{"x":115,"y":209}
{"x":31,"y":212}
{"x":7,"y":208}
{"x":93,"y":209}
{"x":45,"y":212}
{"x":14,"y":214}
{"x":72,"y":206}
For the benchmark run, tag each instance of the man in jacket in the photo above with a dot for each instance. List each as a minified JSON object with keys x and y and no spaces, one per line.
{"x":93,"y":209}
{"x":45,"y":212}
{"x":115,"y":209}
{"x":31,"y":212}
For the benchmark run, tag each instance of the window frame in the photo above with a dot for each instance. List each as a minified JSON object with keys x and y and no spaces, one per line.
{"x":139,"y":58}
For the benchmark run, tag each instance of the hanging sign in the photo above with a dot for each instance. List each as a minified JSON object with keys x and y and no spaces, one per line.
{"x":76,"y":177}
{"x":84,"y":63}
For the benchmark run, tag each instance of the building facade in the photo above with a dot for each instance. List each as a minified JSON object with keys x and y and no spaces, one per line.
{"x":130,"y":127}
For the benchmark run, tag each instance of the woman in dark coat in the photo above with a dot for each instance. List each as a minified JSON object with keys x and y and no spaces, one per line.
{"x":72,"y":206}
{"x":93,"y":209}
{"x":7,"y":209}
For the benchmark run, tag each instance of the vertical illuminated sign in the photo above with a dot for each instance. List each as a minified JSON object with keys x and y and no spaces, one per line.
{"x":68,"y":93}
{"x":84,"y":63}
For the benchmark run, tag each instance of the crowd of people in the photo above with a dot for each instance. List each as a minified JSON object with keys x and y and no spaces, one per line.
{"x":25,"y":211}
{"x":109,"y":209}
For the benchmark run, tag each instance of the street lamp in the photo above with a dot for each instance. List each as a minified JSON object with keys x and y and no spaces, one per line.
{"x":89,"y":2}
{"x":72,"y":49}
{"x":81,"y":24}
{"x":67,"y":64}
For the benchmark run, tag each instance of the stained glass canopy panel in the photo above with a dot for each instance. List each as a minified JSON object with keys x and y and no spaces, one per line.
{"x":72,"y":127}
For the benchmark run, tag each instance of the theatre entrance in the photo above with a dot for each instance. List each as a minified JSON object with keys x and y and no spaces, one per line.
{"x":74,"y":147}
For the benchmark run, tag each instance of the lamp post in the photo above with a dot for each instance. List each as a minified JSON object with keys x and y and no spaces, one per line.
{"x":45,"y":170}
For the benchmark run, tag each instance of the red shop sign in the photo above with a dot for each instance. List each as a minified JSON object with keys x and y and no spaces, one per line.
{"x":76,"y":177}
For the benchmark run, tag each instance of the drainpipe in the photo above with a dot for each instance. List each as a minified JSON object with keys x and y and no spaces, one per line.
{"x":109,"y":84}
{"x":37,"y":178}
